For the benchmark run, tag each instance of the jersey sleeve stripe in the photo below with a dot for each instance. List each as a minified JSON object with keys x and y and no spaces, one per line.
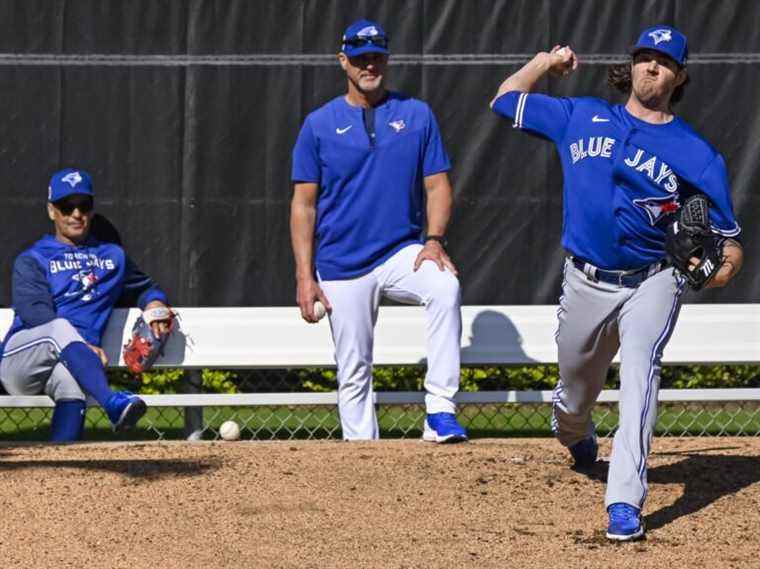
{"x":520,"y":110}
{"x":523,"y":100}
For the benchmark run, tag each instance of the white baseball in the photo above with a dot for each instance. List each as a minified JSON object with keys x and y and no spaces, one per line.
{"x":562,"y":51}
{"x":229,"y":431}
{"x":319,"y":310}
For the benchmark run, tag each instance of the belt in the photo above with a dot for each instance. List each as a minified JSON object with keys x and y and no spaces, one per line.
{"x":630,"y":279}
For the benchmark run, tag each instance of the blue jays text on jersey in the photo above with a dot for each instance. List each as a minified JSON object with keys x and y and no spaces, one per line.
{"x":622,"y":176}
{"x":82,"y":284}
{"x":80,"y":261}
{"x":371,"y":197}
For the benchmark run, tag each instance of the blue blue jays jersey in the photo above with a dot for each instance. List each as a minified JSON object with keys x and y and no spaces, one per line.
{"x":82,"y":284}
{"x":371,"y":194}
{"x":622,"y":176}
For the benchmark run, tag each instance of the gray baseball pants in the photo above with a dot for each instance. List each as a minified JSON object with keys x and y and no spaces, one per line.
{"x":31,"y":364}
{"x":595,"y":320}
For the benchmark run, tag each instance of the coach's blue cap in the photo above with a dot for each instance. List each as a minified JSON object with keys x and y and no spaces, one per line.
{"x":69,"y":182}
{"x":364,"y":36}
{"x":664,"y":39}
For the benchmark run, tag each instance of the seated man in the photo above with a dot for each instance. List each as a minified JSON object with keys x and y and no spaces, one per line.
{"x":64,"y":289}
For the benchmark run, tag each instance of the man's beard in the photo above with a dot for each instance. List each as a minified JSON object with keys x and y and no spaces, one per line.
{"x":378,"y":86}
{"x":650,"y":96}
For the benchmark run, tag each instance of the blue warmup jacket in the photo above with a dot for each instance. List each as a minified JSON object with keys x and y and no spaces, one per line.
{"x":79,"y":283}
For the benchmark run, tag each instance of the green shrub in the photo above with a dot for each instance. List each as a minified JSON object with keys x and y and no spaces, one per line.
{"x":411,"y":378}
{"x":709,"y":376}
{"x":168,"y":380}
{"x":219,"y":381}
{"x":319,"y":380}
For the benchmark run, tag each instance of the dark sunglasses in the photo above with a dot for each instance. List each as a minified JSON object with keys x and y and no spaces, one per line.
{"x":379,"y":41}
{"x":67,"y":205}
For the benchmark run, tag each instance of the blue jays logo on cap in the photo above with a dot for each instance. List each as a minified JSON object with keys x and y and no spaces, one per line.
{"x":68,"y":182}
{"x":660,"y":35}
{"x":665,"y":39}
{"x":364,"y":36}
{"x":368,"y":32}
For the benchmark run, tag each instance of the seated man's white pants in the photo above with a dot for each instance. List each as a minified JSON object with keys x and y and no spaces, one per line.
{"x":354,"y":313}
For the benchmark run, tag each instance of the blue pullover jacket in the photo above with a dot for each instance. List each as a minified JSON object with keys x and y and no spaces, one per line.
{"x":81,"y":283}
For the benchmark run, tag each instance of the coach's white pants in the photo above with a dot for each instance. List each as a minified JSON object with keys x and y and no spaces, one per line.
{"x":354,"y":313}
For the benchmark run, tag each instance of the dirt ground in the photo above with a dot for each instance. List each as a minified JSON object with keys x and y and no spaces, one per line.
{"x":489,"y":503}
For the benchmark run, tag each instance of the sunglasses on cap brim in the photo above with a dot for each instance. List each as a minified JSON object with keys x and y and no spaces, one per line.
{"x":67,"y":205}
{"x":378,"y":41}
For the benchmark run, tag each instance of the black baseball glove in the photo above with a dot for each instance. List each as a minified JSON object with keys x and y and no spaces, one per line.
{"x":689,"y":237}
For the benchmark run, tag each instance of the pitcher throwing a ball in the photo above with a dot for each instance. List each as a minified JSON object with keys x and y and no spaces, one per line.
{"x":628,"y":170}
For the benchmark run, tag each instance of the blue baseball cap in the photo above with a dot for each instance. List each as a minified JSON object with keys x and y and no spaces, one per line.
{"x":364,"y":36}
{"x":665,"y":39}
{"x":68,"y":182}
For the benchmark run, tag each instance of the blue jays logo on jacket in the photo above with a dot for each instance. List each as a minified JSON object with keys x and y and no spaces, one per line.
{"x":87,"y":280}
{"x":84,"y":275}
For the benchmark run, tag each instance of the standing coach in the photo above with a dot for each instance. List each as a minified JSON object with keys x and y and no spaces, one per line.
{"x":371,"y":204}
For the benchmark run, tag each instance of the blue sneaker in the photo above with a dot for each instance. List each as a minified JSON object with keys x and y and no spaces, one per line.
{"x":443,"y":428}
{"x":124,"y":410}
{"x":625,"y":522}
{"x":584,"y":452}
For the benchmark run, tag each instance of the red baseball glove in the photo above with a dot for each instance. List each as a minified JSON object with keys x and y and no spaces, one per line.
{"x":145,"y":346}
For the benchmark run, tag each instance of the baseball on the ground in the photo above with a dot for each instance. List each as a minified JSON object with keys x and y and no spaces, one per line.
{"x":229,"y":431}
{"x":319,"y":310}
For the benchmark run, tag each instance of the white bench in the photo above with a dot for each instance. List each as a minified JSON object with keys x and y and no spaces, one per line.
{"x":276,"y":337}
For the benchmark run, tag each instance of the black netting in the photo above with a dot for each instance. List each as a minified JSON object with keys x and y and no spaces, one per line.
{"x":186,"y":112}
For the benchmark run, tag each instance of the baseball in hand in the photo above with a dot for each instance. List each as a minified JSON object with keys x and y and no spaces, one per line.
{"x":562,"y":51}
{"x":319,"y":310}
{"x":229,"y":431}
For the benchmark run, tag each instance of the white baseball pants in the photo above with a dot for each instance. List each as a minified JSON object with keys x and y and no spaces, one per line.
{"x":354,"y":313}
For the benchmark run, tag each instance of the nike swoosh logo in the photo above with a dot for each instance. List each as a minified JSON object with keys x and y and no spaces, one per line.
{"x":343,"y":130}
{"x":597,"y":118}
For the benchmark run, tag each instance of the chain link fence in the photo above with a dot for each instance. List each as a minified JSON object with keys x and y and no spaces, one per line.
{"x":396,"y":421}
{"x":320,"y":421}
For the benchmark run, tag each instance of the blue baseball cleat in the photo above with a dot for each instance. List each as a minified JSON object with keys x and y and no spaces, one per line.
{"x":584,"y":452}
{"x":124,"y":409}
{"x":625,"y":522}
{"x":443,"y":428}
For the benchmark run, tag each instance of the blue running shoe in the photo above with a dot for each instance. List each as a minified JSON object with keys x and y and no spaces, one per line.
{"x":584,"y":452}
{"x":124,"y":409}
{"x":625,"y":522}
{"x":443,"y":428}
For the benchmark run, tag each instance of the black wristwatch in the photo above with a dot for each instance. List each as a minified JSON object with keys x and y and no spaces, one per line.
{"x":440,"y":238}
